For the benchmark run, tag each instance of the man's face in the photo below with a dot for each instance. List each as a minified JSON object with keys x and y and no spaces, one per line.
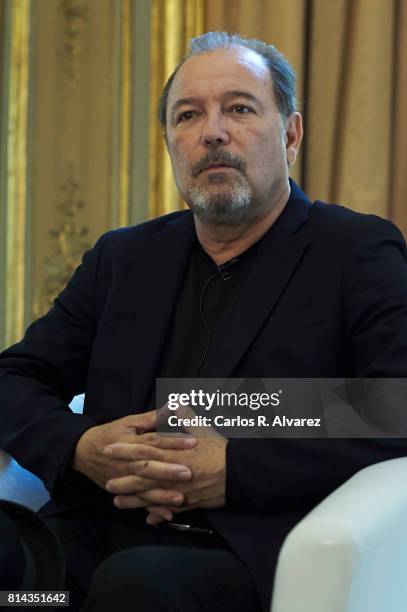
{"x":225,"y":136}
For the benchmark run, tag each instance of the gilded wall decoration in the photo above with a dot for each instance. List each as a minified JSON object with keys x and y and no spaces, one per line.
{"x":68,"y":242}
{"x":81,"y":121}
{"x":75,"y":13}
{"x":16,"y":92}
{"x":125,"y":112}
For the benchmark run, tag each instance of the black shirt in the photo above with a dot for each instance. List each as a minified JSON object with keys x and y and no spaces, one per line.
{"x":205,"y":305}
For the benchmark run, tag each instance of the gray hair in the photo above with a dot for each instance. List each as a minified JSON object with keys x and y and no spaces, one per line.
{"x":282,"y":73}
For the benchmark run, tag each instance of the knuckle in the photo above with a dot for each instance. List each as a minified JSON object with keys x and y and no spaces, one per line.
{"x":133,"y":467}
{"x":143,"y":452}
{"x":134,"y":481}
{"x":150,"y":437}
{"x":155,"y":496}
{"x":137,"y":467}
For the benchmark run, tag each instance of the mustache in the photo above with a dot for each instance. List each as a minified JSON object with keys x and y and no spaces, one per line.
{"x":218,"y":156}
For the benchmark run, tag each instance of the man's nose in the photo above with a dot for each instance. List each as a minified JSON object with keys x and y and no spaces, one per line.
{"x":215,"y":131}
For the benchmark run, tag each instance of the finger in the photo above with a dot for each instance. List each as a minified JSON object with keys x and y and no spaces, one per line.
{"x":132,"y":451}
{"x":159,"y":470}
{"x":157,"y":514}
{"x":153,"y":469}
{"x":152,"y":497}
{"x":129,"y":484}
{"x":148,"y":447}
{"x":145,"y":421}
{"x":183,"y":508}
{"x":134,"y":483}
{"x":165,"y":441}
{"x":164,"y":512}
{"x":152,"y":520}
{"x":125,"y":502}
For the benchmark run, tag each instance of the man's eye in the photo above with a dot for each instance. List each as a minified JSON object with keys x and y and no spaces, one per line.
{"x":185,"y":116}
{"x":241,"y":109}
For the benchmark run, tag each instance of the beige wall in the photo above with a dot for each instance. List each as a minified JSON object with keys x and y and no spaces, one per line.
{"x":73,"y":128}
{"x":75,"y":182}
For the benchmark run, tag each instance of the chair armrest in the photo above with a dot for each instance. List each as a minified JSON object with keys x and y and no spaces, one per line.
{"x":349,"y":554}
{"x":21,"y":486}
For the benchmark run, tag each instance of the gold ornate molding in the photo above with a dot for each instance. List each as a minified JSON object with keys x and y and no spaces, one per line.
{"x":173,"y":23}
{"x":125,"y":112}
{"x":69,"y":241}
{"x":17,"y":168}
{"x":75,"y":14}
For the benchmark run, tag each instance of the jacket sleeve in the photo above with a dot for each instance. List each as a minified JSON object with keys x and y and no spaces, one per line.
{"x":40,"y":375}
{"x":266,"y":475}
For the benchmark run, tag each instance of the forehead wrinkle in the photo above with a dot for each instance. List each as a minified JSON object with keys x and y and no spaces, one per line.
{"x":238,"y":70}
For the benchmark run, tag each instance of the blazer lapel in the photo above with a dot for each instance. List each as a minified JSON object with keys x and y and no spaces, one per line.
{"x":163,"y":259}
{"x":277,"y":259}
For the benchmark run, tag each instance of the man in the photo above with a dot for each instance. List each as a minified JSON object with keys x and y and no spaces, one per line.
{"x":255,"y":282}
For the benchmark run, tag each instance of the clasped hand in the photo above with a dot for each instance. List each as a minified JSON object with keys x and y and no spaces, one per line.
{"x":163,"y":474}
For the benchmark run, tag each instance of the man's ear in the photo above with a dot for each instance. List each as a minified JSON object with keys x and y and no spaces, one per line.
{"x":294,"y":132}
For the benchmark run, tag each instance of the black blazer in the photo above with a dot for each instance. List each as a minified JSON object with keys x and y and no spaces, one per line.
{"x":327,"y":297}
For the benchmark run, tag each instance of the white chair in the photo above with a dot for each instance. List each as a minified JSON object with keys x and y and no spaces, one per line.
{"x":349,"y":554}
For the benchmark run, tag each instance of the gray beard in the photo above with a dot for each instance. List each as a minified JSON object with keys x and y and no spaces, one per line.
{"x":232,"y":207}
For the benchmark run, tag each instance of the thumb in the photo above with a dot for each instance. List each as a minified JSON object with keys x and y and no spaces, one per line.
{"x":146,"y":421}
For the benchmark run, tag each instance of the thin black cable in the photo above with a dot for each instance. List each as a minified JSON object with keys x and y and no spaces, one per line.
{"x":223,"y":272}
{"x":208,"y":329}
